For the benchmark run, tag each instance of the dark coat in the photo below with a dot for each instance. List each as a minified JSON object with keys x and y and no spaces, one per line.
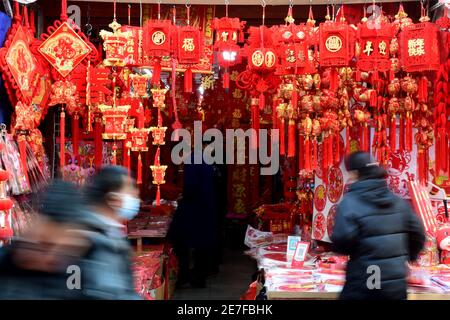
{"x":376,"y":228}
{"x":196,"y":220}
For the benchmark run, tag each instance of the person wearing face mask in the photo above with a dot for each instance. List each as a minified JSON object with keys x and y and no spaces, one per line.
{"x":111,"y":198}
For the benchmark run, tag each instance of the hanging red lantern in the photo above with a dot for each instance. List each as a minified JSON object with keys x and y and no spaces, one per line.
{"x":229,"y":31}
{"x":373,"y":45}
{"x":158,"y":174}
{"x":419,"y":47}
{"x":337,"y":43}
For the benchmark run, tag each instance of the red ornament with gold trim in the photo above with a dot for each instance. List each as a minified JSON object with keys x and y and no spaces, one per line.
{"x":189,"y":48}
{"x":115,"y":45}
{"x":374,"y":39}
{"x":419,"y":46}
{"x":337,"y":43}
{"x":140,"y":85}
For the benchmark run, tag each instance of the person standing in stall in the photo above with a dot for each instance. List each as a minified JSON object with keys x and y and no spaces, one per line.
{"x":379,"y":231}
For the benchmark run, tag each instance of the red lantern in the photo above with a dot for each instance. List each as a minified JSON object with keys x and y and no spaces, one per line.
{"x":374,"y":43}
{"x":263,"y":59}
{"x":419,"y":47}
{"x":337,"y":43}
{"x":190,"y":46}
{"x":157,"y":38}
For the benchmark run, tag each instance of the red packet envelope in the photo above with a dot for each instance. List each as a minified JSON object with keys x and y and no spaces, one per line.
{"x":300,"y":254}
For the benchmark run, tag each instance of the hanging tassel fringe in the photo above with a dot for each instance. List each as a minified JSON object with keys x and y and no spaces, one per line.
{"x":408,"y":141}
{"x":366,"y":138}
{"x":62,"y":140}
{"x":307,"y":154}
{"x":188,"y":81}
{"x":226,"y":80}
{"x":291,"y":138}
{"x":158,"y":196}
{"x":402,"y":135}
{"x":23,"y":155}
{"x":255,"y":124}
{"x":98,"y":143}
{"x":347,"y":140}
{"x":301,"y":153}
{"x":75,"y":134}
{"x":139,"y":170}
{"x":156,"y":78}
{"x":423,"y":90}
{"x":282,"y":138}
{"x":334,"y":80}
{"x":315,"y":165}
{"x":392,"y":134}
{"x":337,"y":153}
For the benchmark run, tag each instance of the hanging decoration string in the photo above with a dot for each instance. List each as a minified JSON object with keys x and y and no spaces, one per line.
{"x":129,"y":14}
{"x":227,"y":2}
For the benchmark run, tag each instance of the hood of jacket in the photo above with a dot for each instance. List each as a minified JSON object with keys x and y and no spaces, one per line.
{"x":374,"y":191}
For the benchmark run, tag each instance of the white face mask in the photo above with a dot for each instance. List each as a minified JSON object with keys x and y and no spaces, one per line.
{"x":130,"y":206}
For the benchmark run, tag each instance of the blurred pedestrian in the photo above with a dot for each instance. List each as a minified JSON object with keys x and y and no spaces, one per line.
{"x":35,"y":265}
{"x":379,"y":231}
{"x":112,"y":198}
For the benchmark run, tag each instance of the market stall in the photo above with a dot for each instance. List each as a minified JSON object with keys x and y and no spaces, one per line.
{"x":321,"y":80}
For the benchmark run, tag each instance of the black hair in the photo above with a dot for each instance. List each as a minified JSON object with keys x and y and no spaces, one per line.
{"x":107,"y":179}
{"x":362,"y":163}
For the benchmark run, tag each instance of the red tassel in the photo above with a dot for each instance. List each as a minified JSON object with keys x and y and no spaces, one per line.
{"x":373,"y":98}
{"x":334,"y":80}
{"x":337,"y":153}
{"x":62,"y":140}
{"x":391,"y":75}
{"x":325,"y":152}
{"x":226,"y":80}
{"x":156,"y":77}
{"x":98,"y":143}
{"x":331,"y":150}
{"x":158,"y":196}
{"x":126,"y":155}
{"x":294,"y":100}
{"x":282,"y":137}
{"x":188,"y":81}
{"x":408,"y":141}
{"x":402,"y":135}
{"x":291,"y":138}
{"x":75,"y":134}
{"x":139,"y":170}
{"x":358,"y":75}
{"x":23,"y":156}
{"x":114,"y":155}
{"x":423,"y":90}
{"x":255,"y":124}
{"x":274,"y":113}
{"x":301,"y":152}
{"x":307,"y":154}
{"x":347,"y":140}
{"x":129,"y":161}
{"x":315,"y":164}
{"x":392,"y":134}
{"x":420,"y":166}
{"x":366,"y":138}
{"x":262,"y":101}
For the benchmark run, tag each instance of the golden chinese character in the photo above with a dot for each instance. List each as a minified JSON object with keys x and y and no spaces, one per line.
{"x":382,"y":47}
{"x":239,"y":206}
{"x":333,"y":43}
{"x":270,"y":59}
{"x":290,"y":56}
{"x":188,"y":44}
{"x":158,"y":38}
{"x":237,"y":94}
{"x":258,"y":58}
{"x":225,"y":36}
{"x":239,"y":190}
{"x":368,"y":48}
{"x":416,"y":47}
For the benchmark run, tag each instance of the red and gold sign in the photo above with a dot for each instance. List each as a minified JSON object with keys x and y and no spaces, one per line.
{"x":263,"y":59}
{"x":157,"y":38}
{"x":140,"y":85}
{"x":139,"y":138}
{"x":159,"y":97}
{"x":336,"y":44}
{"x":115,"y":121}
{"x":419,"y":47}
{"x":190,"y":45}
{"x":115,"y":45}
{"x":133,"y":51}
{"x":374,"y":44}
{"x":158,"y":135}
{"x":21,"y":63}
{"x":64,"y":49}
{"x":158,"y":174}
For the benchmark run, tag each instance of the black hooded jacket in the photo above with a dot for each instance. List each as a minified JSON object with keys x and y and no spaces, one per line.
{"x":380,"y":232}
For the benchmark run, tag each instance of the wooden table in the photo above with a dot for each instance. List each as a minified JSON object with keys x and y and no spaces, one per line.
{"x":285,"y":295}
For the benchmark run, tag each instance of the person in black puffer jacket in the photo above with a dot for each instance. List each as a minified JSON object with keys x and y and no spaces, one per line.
{"x":377,"y":230}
